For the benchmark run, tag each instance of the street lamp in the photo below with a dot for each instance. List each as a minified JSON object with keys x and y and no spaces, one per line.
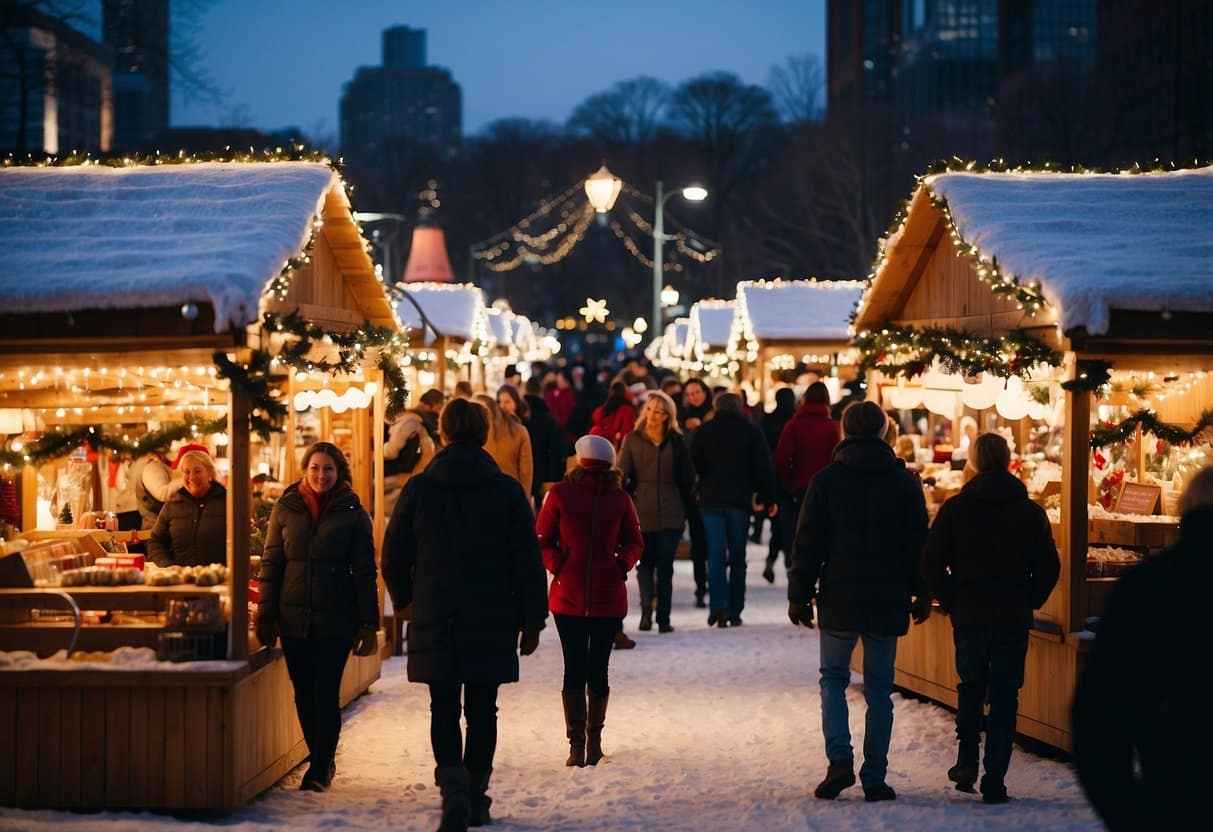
{"x":692,"y":194}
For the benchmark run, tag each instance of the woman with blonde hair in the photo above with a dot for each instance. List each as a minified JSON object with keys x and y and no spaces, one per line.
{"x":508,"y":444}
{"x":658,"y":471}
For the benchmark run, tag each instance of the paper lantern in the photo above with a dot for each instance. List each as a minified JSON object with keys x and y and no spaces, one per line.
{"x":905,"y":396}
{"x":983,"y":393}
{"x":941,"y":391}
{"x":1013,"y":401}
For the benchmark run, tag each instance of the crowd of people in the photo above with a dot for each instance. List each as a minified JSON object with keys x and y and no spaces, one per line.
{"x":590,"y":479}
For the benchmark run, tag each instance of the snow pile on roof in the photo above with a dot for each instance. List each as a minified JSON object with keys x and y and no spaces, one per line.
{"x":456,"y":309}
{"x":711,"y":323}
{"x":96,"y":237}
{"x":500,"y":326}
{"x":797,"y":309}
{"x":1095,"y":242}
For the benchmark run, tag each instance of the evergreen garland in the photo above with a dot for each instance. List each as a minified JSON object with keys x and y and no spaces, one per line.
{"x":57,"y":444}
{"x":254,"y":381}
{"x":1089,"y":377}
{"x":959,"y":353}
{"x":1101,"y":437}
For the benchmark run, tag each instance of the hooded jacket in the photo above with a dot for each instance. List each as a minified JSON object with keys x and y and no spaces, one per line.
{"x":461,"y":548}
{"x":318,"y":578}
{"x":733,"y":463}
{"x":806,"y":446}
{"x":989,"y":558}
{"x":860,"y":534}
{"x":589,"y":537}
{"x":191,"y":531}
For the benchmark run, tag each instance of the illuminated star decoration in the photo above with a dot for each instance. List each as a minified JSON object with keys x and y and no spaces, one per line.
{"x":594,"y":310}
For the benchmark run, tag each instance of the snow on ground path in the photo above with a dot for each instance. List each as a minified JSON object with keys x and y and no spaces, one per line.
{"x":708,"y":729}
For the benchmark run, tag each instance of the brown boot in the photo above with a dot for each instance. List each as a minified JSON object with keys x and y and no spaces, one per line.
{"x":595,"y":719}
{"x":622,"y":642}
{"x":574,"y":725}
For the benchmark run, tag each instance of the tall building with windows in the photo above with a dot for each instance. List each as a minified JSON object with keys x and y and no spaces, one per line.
{"x":138,"y":33}
{"x":55,"y":86}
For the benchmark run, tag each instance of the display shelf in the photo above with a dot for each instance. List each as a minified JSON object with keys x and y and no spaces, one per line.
{"x":134,"y":597}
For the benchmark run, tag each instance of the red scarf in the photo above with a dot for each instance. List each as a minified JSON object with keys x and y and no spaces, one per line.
{"x":317,"y":502}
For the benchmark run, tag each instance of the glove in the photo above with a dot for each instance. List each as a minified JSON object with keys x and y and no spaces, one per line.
{"x":366,"y":642}
{"x":800,"y":614}
{"x":528,"y":639}
{"x":920,"y":610}
{"x":267,"y":633}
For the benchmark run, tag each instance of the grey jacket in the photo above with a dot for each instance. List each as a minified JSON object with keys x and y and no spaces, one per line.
{"x":659,"y":478}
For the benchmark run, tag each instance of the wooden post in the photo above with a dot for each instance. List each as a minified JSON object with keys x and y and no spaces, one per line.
{"x":29,"y":497}
{"x":238,"y":507}
{"x":1074,"y":473}
{"x":1141,"y":454}
{"x":379,"y":518}
{"x":289,"y":472}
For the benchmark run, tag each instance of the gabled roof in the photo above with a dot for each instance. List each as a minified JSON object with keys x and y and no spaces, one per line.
{"x":150,"y":236}
{"x":796,"y":310}
{"x":1093,"y":242}
{"x":711,"y":323}
{"x":456,"y":309}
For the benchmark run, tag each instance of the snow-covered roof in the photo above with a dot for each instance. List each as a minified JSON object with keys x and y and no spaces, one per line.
{"x":793,"y":310}
{"x":98,"y":237}
{"x":457,"y":310}
{"x":711,"y":323}
{"x":524,"y":334}
{"x":1095,"y":242}
{"x":500,"y":326}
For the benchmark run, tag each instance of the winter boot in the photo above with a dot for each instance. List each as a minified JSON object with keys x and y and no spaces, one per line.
{"x":646,"y":618}
{"x":878,"y":791}
{"x":718,"y":617}
{"x":479,"y":801}
{"x":839,"y":776}
{"x":622,"y":642}
{"x":964,"y":773}
{"x":993,"y":790}
{"x":574,"y":725}
{"x":453,"y":783}
{"x":595,"y":719}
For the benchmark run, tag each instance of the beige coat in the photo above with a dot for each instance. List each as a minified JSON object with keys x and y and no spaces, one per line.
{"x":512,"y":454}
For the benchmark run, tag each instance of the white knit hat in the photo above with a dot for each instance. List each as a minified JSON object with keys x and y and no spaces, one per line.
{"x":597,"y":448}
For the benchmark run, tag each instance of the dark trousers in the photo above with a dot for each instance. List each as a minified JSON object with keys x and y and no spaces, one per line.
{"x":586,"y":643}
{"x":699,"y":549}
{"x":479,"y":709}
{"x":780,"y":541}
{"x":989,"y":661}
{"x":655,"y":572}
{"x":315,"y":667}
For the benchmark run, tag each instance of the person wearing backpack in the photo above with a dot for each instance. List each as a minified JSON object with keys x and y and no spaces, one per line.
{"x":407,"y":450}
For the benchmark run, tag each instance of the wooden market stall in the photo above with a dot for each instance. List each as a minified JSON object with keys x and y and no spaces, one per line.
{"x":706,"y":348}
{"x":671,"y":350}
{"x":785,"y":324}
{"x":451,"y":343}
{"x":193,"y":300}
{"x":1050,"y":279}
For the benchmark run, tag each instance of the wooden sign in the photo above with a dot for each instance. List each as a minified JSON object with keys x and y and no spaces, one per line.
{"x":1136,"y":498}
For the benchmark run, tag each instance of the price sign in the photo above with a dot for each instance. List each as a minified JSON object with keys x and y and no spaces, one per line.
{"x":1136,"y":498}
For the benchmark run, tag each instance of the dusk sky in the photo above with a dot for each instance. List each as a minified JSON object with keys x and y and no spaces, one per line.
{"x":284,"y":63}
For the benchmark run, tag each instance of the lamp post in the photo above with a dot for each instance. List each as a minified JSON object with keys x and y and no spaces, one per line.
{"x":602,"y":189}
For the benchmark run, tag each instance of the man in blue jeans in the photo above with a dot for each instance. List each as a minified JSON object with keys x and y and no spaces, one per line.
{"x":990,"y":560}
{"x":858,"y":539}
{"x":734,"y":464}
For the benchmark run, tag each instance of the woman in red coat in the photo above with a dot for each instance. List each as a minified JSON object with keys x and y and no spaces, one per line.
{"x":589,"y":536}
{"x":617,"y":416}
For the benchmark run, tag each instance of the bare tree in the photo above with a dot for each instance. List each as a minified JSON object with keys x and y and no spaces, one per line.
{"x":797,"y":85}
{"x":629,"y":113}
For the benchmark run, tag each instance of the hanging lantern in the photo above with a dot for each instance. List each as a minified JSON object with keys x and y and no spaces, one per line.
{"x":1013,"y":402}
{"x":602,"y":188}
{"x":941,"y":391}
{"x":982,"y":393}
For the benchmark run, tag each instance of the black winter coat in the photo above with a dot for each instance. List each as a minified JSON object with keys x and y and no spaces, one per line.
{"x":549,"y":450}
{"x":1143,"y":700}
{"x":461,"y":548}
{"x":860,"y":533}
{"x":318,"y":579}
{"x":190,"y":531}
{"x":989,"y":557}
{"x":733,"y":462}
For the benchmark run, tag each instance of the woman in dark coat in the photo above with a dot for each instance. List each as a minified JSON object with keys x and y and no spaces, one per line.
{"x":772,"y":425}
{"x":319,"y":593}
{"x":990,"y":560}
{"x":461,"y":550}
{"x":192,"y":527}
{"x":590,"y":539}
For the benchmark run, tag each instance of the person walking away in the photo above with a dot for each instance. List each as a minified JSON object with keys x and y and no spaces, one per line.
{"x":990,"y":560}
{"x":860,"y":534}
{"x":733,"y":463}
{"x":508,"y":444}
{"x":616,"y":418}
{"x":561,"y":398}
{"x":657,"y":470}
{"x":590,"y":539}
{"x":772,"y":425}
{"x":1142,"y":722}
{"x":805,"y":446}
{"x":319,"y":594}
{"x":549,"y":450}
{"x":461,"y":549}
{"x":192,"y":527}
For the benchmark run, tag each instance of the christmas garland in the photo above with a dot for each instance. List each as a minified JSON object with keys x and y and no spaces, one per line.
{"x":254,"y":381}
{"x":959,"y":353}
{"x":1089,"y":377}
{"x":56,"y":444}
{"x":1103,"y":436}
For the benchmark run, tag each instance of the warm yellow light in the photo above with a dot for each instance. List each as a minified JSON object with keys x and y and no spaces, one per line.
{"x":594,"y":310}
{"x":669,"y":296}
{"x":695,"y":193}
{"x":602,"y":189}
{"x":640,"y":325}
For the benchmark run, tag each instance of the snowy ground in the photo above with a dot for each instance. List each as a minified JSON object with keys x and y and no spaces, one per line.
{"x":708,"y":729}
